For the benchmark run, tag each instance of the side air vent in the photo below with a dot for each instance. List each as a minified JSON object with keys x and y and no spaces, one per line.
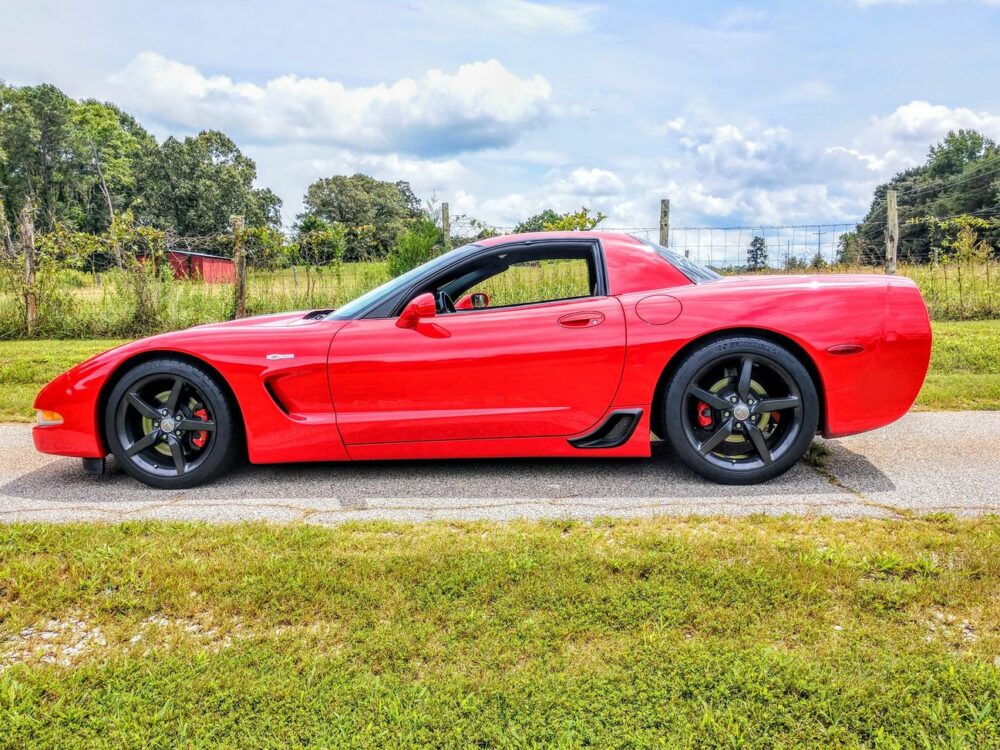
{"x":614,"y":431}
{"x":274,"y":397}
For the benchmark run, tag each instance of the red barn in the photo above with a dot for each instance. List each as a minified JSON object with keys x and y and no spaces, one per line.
{"x":214,"y":269}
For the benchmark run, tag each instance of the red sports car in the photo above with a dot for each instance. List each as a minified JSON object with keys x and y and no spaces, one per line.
{"x":575,"y":344}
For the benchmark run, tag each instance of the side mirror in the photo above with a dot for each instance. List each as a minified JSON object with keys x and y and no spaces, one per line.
{"x":474,"y":301}
{"x":422,"y":306}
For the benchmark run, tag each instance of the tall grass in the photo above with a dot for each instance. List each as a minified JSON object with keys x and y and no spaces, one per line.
{"x":953,"y":291}
{"x":124,"y":304}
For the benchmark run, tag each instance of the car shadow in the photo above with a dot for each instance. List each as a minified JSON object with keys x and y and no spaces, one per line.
{"x":62,"y":480}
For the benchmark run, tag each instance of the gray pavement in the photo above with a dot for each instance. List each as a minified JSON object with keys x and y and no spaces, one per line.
{"x":926,"y":462}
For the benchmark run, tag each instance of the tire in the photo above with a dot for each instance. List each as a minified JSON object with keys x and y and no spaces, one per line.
{"x":716,"y":413}
{"x":170,"y":425}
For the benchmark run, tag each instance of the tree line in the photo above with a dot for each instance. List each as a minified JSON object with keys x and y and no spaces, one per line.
{"x":949,"y":201}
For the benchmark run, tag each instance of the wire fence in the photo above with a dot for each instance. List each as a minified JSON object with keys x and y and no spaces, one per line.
{"x":111,"y":301}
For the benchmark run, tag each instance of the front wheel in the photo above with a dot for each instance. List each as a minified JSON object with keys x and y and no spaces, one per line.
{"x":169,"y":425}
{"x":741,"y":410}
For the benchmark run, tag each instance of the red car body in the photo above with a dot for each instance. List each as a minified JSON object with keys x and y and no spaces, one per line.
{"x":523,"y":380}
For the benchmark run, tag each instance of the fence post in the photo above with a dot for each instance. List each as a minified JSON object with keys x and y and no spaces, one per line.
{"x":891,"y":231}
{"x":240,"y":262}
{"x":28,"y":244}
{"x":446,"y":226}
{"x":665,"y":223}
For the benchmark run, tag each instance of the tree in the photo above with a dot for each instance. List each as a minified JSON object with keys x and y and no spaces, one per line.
{"x":193,"y":186}
{"x":81,"y":164}
{"x":959,"y":177}
{"x":111,"y":144}
{"x":537,"y":222}
{"x":757,"y":254}
{"x":575,"y":221}
{"x":374,"y":210}
{"x":40,"y":161}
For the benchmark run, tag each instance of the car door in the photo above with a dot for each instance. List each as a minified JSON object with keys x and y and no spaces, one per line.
{"x":533,"y":370}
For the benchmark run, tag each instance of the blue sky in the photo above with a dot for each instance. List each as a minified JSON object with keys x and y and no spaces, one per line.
{"x":740,"y":113}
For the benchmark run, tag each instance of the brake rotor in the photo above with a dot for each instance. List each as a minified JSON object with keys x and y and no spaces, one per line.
{"x":736,"y":441}
{"x":192,"y":408}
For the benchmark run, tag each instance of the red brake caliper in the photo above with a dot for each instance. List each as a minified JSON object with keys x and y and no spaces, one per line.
{"x":199,"y":438}
{"x":704,"y":415}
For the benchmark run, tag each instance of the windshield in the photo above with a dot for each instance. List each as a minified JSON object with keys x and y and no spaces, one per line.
{"x":693,"y":271}
{"x":360,"y":304}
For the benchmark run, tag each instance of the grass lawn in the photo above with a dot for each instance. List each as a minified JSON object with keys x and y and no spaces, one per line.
{"x":964,"y":373}
{"x":665,"y":633}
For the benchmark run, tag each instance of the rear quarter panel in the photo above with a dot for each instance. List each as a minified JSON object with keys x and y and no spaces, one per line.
{"x":886,"y":316}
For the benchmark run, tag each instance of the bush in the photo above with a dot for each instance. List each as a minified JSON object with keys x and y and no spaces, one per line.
{"x":415,"y":245}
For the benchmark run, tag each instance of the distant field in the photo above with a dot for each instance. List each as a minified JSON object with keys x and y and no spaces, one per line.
{"x":964,"y":373}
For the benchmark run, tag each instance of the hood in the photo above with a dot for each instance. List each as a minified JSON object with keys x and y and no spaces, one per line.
{"x":274,"y":320}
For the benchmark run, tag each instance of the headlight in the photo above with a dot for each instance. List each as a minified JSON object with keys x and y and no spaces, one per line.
{"x":46,"y":418}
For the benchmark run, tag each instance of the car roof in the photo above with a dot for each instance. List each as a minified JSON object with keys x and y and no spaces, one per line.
{"x":566,"y":235}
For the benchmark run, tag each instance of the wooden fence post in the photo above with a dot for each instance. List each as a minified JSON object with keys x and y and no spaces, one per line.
{"x":891,"y":231}
{"x":28,"y":244}
{"x":240,"y":262}
{"x":446,"y":226}
{"x":665,"y":222}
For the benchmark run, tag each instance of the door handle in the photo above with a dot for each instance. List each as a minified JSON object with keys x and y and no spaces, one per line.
{"x":581,"y":320}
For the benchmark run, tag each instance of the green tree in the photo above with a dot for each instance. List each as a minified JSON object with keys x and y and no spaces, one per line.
{"x":195,"y":185}
{"x":374,"y":211}
{"x":39,"y":156}
{"x":537,"y":222}
{"x":111,"y":144}
{"x":959,"y":177}
{"x":575,"y":221}
{"x":757,"y":254}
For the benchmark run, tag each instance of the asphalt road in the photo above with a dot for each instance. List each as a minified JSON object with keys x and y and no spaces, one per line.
{"x":926,"y":462}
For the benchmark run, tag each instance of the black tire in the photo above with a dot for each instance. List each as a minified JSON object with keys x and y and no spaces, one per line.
{"x":713,"y":390}
{"x":194,"y":441}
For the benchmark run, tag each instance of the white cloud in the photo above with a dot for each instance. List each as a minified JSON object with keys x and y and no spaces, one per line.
{"x":900,"y":139}
{"x":480,"y":105}
{"x":590,"y":182}
{"x":531,"y":16}
{"x":924,"y":123}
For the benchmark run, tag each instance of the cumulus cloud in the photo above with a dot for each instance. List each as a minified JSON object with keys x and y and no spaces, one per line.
{"x":923,"y":122}
{"x":900,"y":139}
{"x":589,"y":182}
{"x":480,"y":105}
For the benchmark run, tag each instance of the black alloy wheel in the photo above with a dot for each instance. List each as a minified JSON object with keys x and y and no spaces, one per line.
{"x":170,"y":425}
{"x":741,"y":410}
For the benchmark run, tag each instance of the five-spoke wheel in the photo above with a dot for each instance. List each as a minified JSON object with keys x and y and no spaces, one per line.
{"x":169,"y":424}
{"x":741,"y":410}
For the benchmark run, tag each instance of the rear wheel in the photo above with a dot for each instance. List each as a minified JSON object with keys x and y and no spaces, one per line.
{"x":169,"y":424}
{"x":741,"y":410}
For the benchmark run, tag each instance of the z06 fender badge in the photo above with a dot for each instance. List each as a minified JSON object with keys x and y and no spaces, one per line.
{"x":280,"y":356}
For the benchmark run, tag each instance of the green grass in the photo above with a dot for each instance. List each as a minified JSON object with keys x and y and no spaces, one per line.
{"x":667,"y":633}
{"x":964,"y":372}
{"x":25,"y":366}
{"x":965,"y":367}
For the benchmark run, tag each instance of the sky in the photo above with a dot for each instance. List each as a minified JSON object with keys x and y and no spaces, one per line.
{"x":739,"y":113}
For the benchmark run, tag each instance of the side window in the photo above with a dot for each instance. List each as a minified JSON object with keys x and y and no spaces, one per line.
{"x":518,"y":276}
{"x":544,"y":280}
